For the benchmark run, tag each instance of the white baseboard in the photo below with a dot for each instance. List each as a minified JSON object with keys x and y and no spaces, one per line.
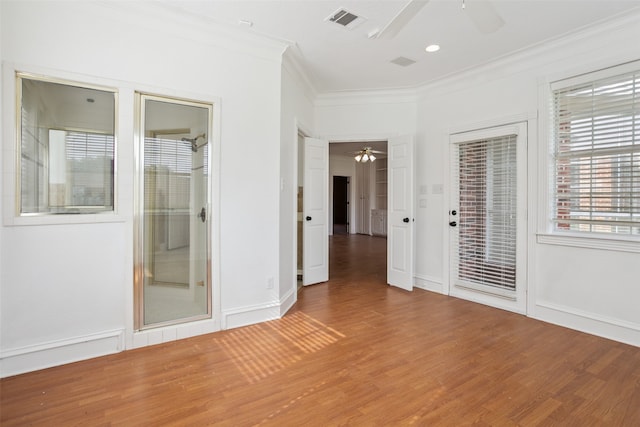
{"x":594,"y":324}
{"x":288,"y":301}
{"x":250,"y":315}
{"x":428,"y":283}
{"x":54,"y":353}
{"x":170,"y":333}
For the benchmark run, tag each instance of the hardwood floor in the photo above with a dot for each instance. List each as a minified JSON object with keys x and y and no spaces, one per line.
{"x":352,"y":351}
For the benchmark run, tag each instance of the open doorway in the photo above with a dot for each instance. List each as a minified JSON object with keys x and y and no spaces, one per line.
{"x":380,"y":200}
{"x":366,"y":203}
{"x":358,"y":203}
{"x":340,"y":205}
{"x":356,"y":197}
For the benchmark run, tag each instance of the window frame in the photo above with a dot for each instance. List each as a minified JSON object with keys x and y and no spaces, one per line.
{"x":547,"y":233}
{"x":12,"y":116}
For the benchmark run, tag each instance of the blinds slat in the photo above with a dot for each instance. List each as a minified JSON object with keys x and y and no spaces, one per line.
{"x":596,"y":170}
{"x":485,"y":242}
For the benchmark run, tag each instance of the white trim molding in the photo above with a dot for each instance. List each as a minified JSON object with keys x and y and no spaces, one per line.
{"x":590,"y":323}
{"x":429,"y":283}
{"x":609,"y":243}
{"x":170,"y":333}
{"x":34,"y":357}
{"x":251,"y":314}
{"x":288,"y":300}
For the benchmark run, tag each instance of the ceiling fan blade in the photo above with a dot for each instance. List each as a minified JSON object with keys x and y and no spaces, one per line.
{"x":484,"y":16}
{"x":403,"y":17}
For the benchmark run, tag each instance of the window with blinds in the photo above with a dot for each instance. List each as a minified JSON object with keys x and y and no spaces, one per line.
{"x":485,"y":241}
{"x":168,"y":165}
{"x":596,"y":154}
{"x":88,"y":170}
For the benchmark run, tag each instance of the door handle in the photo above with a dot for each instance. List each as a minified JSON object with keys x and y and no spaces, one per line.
{"x":308,"y":218}
{"x":203,"y":214}
{"x":453,"y":223}
{"x":405,"y":219}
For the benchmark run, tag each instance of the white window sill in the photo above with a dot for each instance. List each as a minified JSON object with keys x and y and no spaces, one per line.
{"x":51,"y":219}
{"x":609,"y":243}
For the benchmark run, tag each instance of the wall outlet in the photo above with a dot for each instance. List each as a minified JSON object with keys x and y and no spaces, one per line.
{"x":270,"y":283}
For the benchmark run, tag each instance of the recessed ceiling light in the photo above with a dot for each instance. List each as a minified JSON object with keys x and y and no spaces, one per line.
{"x":432,"y":48}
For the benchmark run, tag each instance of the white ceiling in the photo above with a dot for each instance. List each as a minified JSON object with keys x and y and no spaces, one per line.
{"x":339,"y":59}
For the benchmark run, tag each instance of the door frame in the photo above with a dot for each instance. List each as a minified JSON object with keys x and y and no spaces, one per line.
{"x":139,"y":337}
{"x":301,"y":130}
{"x":530,"y":121}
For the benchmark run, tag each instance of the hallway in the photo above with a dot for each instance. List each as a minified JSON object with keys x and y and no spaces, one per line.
{"x":357,"y":257}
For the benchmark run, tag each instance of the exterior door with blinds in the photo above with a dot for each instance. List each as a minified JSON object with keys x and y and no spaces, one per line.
{"x":487,"y":217}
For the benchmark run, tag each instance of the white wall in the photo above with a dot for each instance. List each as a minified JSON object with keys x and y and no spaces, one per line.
{"x":365,"y":116}
{"x":296,"y":114}
{"x":66,"y":290}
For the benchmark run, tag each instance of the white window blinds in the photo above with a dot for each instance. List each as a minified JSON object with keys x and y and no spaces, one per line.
{"x":596,"y":155}
{"x":485,"y":242}
{"x":90,"y":169}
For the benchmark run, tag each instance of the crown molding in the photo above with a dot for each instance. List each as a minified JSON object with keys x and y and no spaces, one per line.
{"x":171,"y":19}
{"x":538,"y":55}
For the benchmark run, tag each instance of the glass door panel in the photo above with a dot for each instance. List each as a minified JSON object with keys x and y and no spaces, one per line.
{"x":172,"y":276}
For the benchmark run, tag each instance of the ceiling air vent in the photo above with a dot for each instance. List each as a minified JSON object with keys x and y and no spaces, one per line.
{"x":402,"y":61}
{"x":345,"y":19}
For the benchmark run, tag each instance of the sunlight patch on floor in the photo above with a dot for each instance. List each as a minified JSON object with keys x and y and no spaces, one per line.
{"x":259,"y":352}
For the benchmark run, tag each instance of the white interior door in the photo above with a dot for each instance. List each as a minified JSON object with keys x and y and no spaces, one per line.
{"x":315,"y":235}
{"x":400,"y":214}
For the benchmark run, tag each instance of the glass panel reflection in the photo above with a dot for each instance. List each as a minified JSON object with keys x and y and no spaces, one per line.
{"x":67,"y":147}
{"x":175,"y":215}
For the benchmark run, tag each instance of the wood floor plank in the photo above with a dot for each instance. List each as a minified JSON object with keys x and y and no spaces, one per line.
{"x":353,"y":351}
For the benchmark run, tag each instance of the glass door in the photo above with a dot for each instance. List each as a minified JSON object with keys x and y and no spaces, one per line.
{"x":172,"y":247}
{"x":487,"y":220}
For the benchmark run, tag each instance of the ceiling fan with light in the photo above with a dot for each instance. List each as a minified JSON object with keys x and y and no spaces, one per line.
{"x":366,"y":154}
{"x":481,"y":12}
